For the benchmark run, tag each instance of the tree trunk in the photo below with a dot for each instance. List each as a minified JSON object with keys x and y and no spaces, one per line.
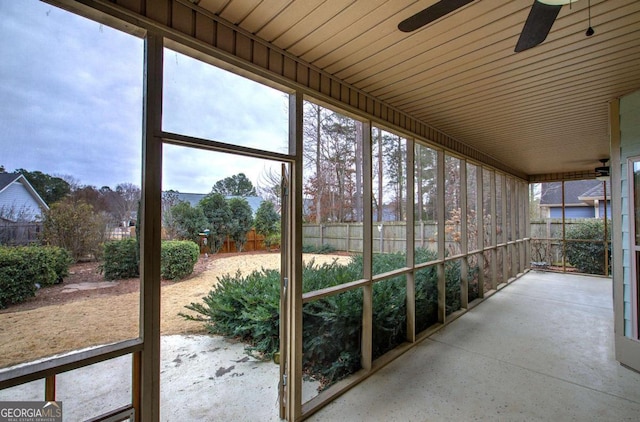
{"x":318,"y":170}
{"x":420,"y":216}
{"x":358,"y":162}
{"x":400,"y":179}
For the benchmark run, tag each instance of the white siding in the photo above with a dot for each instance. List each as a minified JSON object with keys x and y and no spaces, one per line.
{"x":16,"y":203}
{"x":629,"y":147}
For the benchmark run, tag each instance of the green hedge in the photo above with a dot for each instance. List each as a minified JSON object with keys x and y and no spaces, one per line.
{"x":120,"y":259}
{"x":60,"y":259}
{"x":24,"y":269}
{"x":587,"y":255}
{"x":324,"y":249}
{"x":178,"y":257}
{"x":247,"y":308}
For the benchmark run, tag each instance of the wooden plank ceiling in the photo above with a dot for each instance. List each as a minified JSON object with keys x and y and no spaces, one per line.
{"x":544,"y":110}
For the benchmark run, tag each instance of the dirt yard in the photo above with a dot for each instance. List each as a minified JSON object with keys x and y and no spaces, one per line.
{"x":85,"y":310}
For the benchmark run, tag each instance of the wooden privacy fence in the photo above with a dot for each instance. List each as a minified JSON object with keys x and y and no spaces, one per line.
{"x":552,"y":228}
{"x":388,"y":236}
{"x":255,"y":242}
{"x":547,"y":244}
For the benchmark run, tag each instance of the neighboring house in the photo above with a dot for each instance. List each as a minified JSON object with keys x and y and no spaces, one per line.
{"x":583,"y":199}
{"x":19,"y":201}
{"x":254,"y":202}
{"x":191,"y":198}
{"x":20,"y":210}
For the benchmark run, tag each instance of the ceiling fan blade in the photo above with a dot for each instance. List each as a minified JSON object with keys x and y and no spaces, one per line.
{"x":538,"y":24}
{"x":430,"y":14}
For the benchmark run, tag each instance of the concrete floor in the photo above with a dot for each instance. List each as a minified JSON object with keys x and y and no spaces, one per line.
{"x":540,"y":349}
{"x":203,"y":378}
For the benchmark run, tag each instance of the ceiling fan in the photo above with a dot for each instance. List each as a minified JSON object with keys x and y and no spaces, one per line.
{"x":602,"y":172}
{"x":536,"y":28}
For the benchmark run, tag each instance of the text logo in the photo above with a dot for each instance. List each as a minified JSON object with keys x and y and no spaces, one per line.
{"x":30,"y":411}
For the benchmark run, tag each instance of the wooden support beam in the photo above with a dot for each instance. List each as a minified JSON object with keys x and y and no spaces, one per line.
{"x":411,"y":244}
{"x":294,"y":291}
{"x":151,"y":228}
{"x":464,"y":240}
{"x":440,"y":236}
{"x":50,"y":388}
{"x":367,"y":246}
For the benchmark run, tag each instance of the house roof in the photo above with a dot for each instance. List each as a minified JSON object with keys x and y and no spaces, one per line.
{"x":254,"y":202}
{"x":191,"y":198}
{"x":6,"y":179}
{"x":576,"y":192}
{"x":596,"y":192}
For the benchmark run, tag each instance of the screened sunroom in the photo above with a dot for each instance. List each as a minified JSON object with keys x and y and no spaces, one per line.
{"x":408,"y":170}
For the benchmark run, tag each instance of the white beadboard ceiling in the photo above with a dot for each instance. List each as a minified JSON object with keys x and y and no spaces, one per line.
{"x":544,"y":110}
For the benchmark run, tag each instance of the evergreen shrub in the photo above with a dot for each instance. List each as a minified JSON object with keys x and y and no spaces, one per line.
{"x":247,"y":308}
{"x":177,"y":258}
{"x":587,"y":254}
{"x":60,"y":259}
{"x":244,"y":307}
{"x":24,"y":269}
{"x":324,"y":249}
{"x":120,"y":259}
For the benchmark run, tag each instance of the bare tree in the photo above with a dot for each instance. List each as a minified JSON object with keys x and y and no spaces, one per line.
{"x":332,"y":182}
{"x":74,"y":182}
{"x":389,"y":175}
{"x":17,"y":225}
{"x":313,"y":145}
{"x":358,"y":163}
{"x":426,"y":183}
{"x":123,"y":202}
{"x":169,"y":200}
{"x":378,"y":173}
{"x":269,"y":186}
{"x":75,"y":227}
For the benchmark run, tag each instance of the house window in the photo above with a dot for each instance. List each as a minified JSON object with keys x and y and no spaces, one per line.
{"x":636,"y":199}
{"x":631,"y":303}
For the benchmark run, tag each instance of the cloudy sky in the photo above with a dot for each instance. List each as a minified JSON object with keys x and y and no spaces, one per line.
{"x":71,"y":104}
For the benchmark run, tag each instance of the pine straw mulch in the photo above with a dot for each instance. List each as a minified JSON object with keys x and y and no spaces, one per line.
{"x":62,"y":318}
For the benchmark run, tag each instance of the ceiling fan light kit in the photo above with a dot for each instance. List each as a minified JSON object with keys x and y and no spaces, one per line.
{"x":602,"y":172}
{"x":557,"y":2}
{"x":590,"y":30}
